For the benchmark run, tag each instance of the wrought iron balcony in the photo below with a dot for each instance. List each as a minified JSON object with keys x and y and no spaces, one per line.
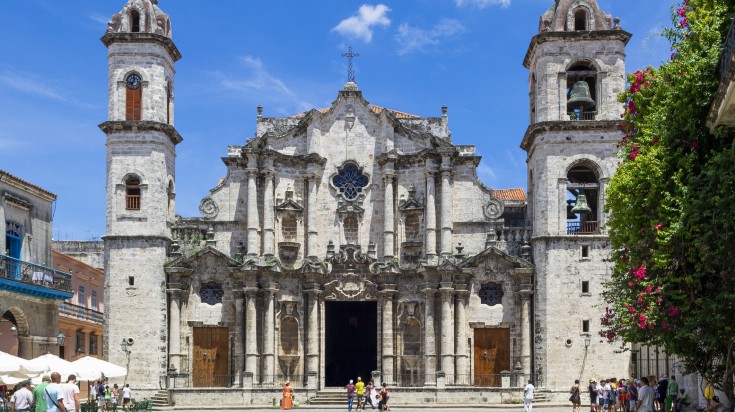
{"x":34,"y":279}
{"x":91,"y":315}
{"x":590,"y":227}
{"x":577,"y":116}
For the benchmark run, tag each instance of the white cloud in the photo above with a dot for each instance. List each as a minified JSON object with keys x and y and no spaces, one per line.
{"x":31,"y":84}
{"x":412,"y":38}
{"x":264,"y":85}
{"x":486,"y":173}
{"x":99,"y":18}
{"x":481,"y":4}
{"x":360,"y":26}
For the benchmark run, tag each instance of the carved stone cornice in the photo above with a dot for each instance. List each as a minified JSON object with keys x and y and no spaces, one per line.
{"x":613,"y":34}
{"x":135,"y":126}
{"x":112,"y":37}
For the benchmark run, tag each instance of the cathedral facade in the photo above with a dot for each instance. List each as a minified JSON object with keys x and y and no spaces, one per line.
{"x":357,"y":240}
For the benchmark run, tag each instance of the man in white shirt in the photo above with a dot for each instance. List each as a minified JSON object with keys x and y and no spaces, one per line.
{"x":126,"y":396}
{"x":23,"y":398}
{"x":528,"y":397}
{"x":646,"y":396}
{"x":71,"y":394}
{"x":606,"y":390}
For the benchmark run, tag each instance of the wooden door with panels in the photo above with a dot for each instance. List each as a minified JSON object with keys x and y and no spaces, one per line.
{"x":492,"y":355}
{"x":211,"y":357}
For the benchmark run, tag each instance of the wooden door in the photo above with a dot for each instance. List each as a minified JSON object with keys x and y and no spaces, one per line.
{"x":492,"y":355}
{"x":211,"y":357}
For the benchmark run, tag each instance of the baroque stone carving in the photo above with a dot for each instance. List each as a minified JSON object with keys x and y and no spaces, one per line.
{"x":209,"y":208}
{"x":491,"y":294}
{"x":493,"y":209}
{"x":350,"y":286}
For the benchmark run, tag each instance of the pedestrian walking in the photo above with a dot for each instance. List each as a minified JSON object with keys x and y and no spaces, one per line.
{"x":350,"y":395}
{"x":369,"y":395}
{"x":71,"y":394}
{"x":672,"y":394}
{"x":126,"y":395}
{"x":592,"y":388}
{"x":384,"y":396}
{"x":646,"y":397}
{"x":39,"y":402}
{"x":575,"y":397}
{"x":54,"y":395}
{"x":360,"y":391}
{"x":528,"y":397}
{"x":22,"y":398}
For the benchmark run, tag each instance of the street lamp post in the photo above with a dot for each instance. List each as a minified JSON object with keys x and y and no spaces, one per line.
{"x":125,"y":347}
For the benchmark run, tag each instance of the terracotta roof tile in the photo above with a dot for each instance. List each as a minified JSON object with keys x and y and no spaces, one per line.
{"x":510,"y":194}
{"x":25,"y":182}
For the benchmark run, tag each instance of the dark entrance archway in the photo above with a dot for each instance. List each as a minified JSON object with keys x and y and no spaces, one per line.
{"x":351,"y":341}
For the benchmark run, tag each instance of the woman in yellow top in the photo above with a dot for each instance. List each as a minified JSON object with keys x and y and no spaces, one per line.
{"x":287,"y":401}
{"x":709,"y":393}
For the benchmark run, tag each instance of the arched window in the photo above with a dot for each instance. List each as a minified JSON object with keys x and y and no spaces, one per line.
{"x":132,"y":193}
{"x":580,"y":20}
{"x":133,"y":97}
{"x":350,"y":226}
{"x":582,"y":201}
{"x":288,"y":227}
{"x":134,"y":21}
{"x":582,"y":91}
{"x":350,"y":181}
{"x":413,"y":228}
{"x":13,"y":239}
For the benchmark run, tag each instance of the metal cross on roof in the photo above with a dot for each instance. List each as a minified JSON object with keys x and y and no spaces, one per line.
{"x":350,"y":72}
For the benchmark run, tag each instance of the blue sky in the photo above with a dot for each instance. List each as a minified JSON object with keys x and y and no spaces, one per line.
{"x":415,"y":56}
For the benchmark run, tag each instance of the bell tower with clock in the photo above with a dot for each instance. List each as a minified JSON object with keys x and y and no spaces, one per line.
{"x":141,"y":151}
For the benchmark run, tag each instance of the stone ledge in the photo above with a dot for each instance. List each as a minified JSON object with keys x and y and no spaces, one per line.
{"x":535,"y":129}
{"x":135,"y":126}
{"x":110,"y":38}
{"x":614,"y":34}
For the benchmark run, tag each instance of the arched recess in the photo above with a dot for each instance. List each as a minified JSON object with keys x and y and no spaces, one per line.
{"x":17,"y":317}
{"x":289,"y":227}
{"x":583,"y":197}
{"x":133,"y":198}
{"x":411,"y":337}
{"x":289,"y":336}
{"x":589,"y":15}
{"x":171,"y":197}
{"x":587,"y":71}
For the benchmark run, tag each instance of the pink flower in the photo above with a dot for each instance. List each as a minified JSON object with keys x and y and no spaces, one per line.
{"x":673,"y":311}
{"x":634,"y":153}
{"x":640,"y":273}
{"x":649,"y":289}
{"x":659,"y":226}
{"x":694,"y":145}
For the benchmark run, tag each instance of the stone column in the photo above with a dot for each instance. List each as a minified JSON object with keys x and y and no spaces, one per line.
{"x":269,"y":336}
{"x":460,"y":326}
{"x":312,"y":333}
{"x":447,"y":331}
{"x":430,"y":212}
{"x":388,"y":216}
{"x":239,"y":356}
{"x":253,"y":218}
{"x":446,"y":207}
{"x":174,"y":327}
{"x":526,"y":332}
{"x":429,"y":337}
{"x":25,"y":347}
{"x":251,"y":332}
{"x":269,"y":238}
{"x":388,"y":357}
{"x":311,"y":224}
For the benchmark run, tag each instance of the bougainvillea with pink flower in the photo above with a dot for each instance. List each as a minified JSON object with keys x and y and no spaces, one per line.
{"x":671,"y":205}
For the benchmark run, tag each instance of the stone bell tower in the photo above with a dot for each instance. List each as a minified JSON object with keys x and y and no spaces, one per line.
{"x":141,"y":151}
{"x":576,"y":68}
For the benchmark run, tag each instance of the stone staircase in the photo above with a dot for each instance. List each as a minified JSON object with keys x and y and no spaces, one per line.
{"x":330,"y":397}
{"x":160,"y":401}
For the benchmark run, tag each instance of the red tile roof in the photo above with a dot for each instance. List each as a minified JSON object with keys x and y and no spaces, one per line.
{"x":26,"y":183}
{"x":510,"y":194}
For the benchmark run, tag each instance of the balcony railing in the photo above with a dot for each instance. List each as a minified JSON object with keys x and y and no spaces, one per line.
{"x":32,"y":274}
{"x":589,"y":227}
{"x":132,"y":202}
{"x":728,"y":48}
{"x":70,"y":309}
{"x":577,"y":116}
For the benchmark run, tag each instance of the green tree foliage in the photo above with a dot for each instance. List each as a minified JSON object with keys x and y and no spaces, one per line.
{"x":672,"y":205}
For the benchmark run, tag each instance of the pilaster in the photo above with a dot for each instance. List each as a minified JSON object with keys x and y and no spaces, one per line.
{"x":447,"y":331}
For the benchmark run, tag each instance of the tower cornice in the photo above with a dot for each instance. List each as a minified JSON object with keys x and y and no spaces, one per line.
{"x":142,"y":126}
{"x":563,"y":125}
{"x":112,"y":37}
{"x":568,"y":36}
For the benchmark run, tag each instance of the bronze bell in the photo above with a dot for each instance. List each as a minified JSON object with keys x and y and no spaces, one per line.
{"x":580,"y":97}
{"x":581,"y":206}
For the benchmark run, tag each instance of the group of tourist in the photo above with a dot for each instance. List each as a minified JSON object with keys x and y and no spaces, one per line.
{"x":108,"y":398}
{"x":366,"y":394}
{"x":51,"y":395}
{"x":631,"y":395}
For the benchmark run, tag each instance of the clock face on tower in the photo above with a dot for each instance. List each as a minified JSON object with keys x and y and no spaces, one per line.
{"x":133,"y":81}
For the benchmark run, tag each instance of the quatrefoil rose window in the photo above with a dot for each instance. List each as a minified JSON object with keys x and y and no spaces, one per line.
{"x":350,"y":181}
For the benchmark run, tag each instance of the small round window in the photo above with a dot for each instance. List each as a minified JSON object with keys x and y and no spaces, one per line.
{"x":211,"y":293}
{"x":350,"y":181}
{"x":491,"y":294}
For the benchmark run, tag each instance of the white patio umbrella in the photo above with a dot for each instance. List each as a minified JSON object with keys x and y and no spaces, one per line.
{"x":10,"y":364}
{"x":51,"y":363}
{"x":91,"y":369}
